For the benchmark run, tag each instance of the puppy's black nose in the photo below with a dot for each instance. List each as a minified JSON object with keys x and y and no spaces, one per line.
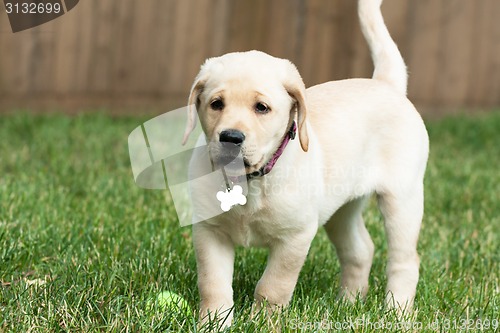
{"x":232,"y":136}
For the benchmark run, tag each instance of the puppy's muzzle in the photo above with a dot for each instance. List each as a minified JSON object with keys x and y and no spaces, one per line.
{"x":232,"y":136}
{"x":228,"y":149}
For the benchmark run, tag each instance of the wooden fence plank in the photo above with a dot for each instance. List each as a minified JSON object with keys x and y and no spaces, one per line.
{"x":327,"y":41}
{"x":310,"y":43}
{"x":103,"y":43}
{"x":66,"y":51}
{"x":218,"y":27}
{"x":457,"y":20}
{"x":281,"y":40}
{"x":125,"y":49}
{"x":478,"y":76}
{"x":424,"y":48}
{"x":492,"y":95}
{"x":346,"y":26}
{"x":82,"y":37}
{"x":165,"y":31}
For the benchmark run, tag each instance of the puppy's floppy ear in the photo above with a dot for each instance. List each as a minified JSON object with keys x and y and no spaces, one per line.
{"x":296,"y":89}
{"x":193,"y":104}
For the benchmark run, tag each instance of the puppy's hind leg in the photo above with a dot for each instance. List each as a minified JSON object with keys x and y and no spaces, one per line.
{"x":347,"y":231}
{"x":403,"y":211}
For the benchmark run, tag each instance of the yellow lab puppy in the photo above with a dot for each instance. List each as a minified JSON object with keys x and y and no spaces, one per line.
{"x":355,"y":137}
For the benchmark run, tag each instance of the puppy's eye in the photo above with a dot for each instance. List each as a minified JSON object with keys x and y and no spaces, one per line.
{"x":217,"y":105}
{"x":262,"y":108}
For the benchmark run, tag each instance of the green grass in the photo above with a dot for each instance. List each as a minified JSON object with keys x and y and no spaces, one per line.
{"x":82,"y":248}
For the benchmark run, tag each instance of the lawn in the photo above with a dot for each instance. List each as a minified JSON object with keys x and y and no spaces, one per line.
{"x":83,"y":249}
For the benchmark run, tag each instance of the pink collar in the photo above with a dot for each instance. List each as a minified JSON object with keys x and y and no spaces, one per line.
{"x":290,"y":135}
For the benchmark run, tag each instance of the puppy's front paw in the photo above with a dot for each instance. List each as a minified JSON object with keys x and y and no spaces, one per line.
{"x":211,"y":320}
{"x":270,"y":313}
{"x":402,"y":304}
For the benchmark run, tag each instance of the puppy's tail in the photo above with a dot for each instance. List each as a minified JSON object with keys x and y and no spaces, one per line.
{"x":389,"y":64}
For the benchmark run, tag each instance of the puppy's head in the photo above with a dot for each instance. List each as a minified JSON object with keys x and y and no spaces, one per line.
{"x":247,"y":100}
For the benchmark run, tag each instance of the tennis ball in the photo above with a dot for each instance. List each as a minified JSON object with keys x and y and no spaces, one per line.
{"x":169,"y":301}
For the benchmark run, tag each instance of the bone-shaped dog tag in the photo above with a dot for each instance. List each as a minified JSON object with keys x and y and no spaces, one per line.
{"x":231,"y":197}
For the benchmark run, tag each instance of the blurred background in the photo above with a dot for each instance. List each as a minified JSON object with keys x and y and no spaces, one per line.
{"x":129,"y":56}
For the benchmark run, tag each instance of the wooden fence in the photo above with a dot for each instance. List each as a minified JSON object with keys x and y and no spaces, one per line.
{"x":139,"y":54}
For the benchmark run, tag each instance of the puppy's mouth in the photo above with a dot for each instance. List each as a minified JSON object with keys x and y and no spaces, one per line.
{"x":224,"y":160}
{"x":251,"y":168}
{"x":234,"y":159}
{"x":237,"y":164}
{"x":230,"y":158}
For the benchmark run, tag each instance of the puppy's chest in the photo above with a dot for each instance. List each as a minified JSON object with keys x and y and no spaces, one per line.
{"x":250,"y":230}
{"x":254,"y":224}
